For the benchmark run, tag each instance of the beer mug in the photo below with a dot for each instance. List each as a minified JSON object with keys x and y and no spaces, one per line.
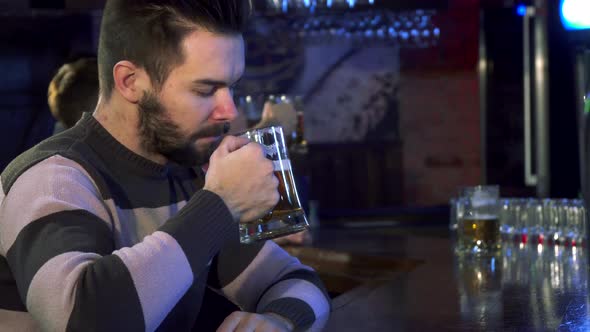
{"x":478,"y":230}
{"x":287,"y":217}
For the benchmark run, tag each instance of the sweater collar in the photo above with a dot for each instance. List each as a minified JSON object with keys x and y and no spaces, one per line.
{"x":109,"y":147}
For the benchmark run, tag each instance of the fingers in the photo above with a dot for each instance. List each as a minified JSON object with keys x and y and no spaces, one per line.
{"x":266,"y":165}
{"x":231,"y":322}
{"x":275,"y":193}
{"x":230,"y":144}
{"x":249,"y":323}
{"x":241,"y":321}
{"x":244,"y":178}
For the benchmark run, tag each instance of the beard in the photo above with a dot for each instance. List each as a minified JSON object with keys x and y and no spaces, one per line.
{"x":158,"y":134}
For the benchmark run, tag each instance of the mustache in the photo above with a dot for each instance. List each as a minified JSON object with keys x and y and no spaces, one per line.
{"x":213,"y":130}
{"x":218,"y":130}
{"x":186,"y":154}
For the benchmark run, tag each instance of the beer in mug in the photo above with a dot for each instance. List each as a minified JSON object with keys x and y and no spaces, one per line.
{"x":287,"y":216}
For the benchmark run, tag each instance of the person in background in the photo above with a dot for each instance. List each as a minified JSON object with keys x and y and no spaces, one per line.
{"x":73,"y":91}
{"x":113,"y":226}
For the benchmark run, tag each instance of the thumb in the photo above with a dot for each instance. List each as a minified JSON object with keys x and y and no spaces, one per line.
{"x":230,"y":144}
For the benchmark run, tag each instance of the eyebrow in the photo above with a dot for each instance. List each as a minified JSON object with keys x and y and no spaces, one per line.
{"x":212,"y":82}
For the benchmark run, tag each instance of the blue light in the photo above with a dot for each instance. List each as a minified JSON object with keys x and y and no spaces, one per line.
{"x":521,"y":10}
{"x":575,"y":14}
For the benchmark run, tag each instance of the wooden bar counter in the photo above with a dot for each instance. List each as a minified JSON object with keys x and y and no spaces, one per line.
{"x":413,"y":281}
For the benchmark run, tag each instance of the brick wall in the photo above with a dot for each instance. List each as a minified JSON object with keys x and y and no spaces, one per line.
{"x":439,"y":109}
{"x":439,"y":123}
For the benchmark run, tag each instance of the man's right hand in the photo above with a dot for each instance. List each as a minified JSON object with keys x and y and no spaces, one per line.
{"x":242,"y":176}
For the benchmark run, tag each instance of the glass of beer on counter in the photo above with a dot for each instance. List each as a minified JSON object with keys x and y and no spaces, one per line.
{"x":287,"y":217}
{"x":478,"y":230}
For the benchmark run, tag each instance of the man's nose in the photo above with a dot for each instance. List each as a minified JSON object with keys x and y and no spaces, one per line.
{"x":225,"y":108}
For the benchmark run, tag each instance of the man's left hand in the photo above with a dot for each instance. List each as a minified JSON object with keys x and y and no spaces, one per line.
{"x":299,"y":239}
{"x":241,"y":321}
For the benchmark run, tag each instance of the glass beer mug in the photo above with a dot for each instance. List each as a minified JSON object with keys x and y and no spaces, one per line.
{"x":287,"y":217}
{"x":478,"y":230}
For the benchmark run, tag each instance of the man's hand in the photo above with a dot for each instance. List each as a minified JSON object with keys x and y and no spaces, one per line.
{"x":301,"y":238}
{"x":241,"y":175}
{"x":240,"y":321}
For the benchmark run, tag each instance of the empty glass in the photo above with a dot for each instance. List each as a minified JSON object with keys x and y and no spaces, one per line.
{"x":551,"y":220}
{"x":547,"y":221}
{"x":535,"y":232}
{"x":510,"y":210}
{"x":574,"y":229}
{"x":457,"y":208}
{"x":251,"y":106}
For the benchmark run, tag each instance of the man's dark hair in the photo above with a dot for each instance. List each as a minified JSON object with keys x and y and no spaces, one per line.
{"x":73,"y":91}
{"x":149,"y":32}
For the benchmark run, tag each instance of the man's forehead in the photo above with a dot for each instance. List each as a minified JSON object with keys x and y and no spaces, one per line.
{"x":214,"y":56}
{"x":210,"y":44}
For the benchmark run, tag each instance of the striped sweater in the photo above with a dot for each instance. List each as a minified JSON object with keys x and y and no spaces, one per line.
{"x":94,"y":237}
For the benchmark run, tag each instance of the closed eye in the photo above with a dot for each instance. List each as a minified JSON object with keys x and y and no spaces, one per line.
{"x":207,"y":88}
{"x":206,"y":92}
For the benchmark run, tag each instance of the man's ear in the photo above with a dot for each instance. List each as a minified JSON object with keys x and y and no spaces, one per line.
{"x":130,"y":81}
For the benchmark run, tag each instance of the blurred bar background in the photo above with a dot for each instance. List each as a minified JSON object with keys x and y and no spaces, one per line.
{"x":401,"y":104}
{"x":404,"y":102}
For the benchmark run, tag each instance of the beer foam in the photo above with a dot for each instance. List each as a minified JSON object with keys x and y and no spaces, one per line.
{"x":282,"y":165}
{"x":483,"y":202}
{"x":481,"y":217}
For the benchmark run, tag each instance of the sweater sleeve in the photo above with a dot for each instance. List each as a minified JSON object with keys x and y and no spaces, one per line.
{"x":264,"y":278}
{"x":56,"y":233}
